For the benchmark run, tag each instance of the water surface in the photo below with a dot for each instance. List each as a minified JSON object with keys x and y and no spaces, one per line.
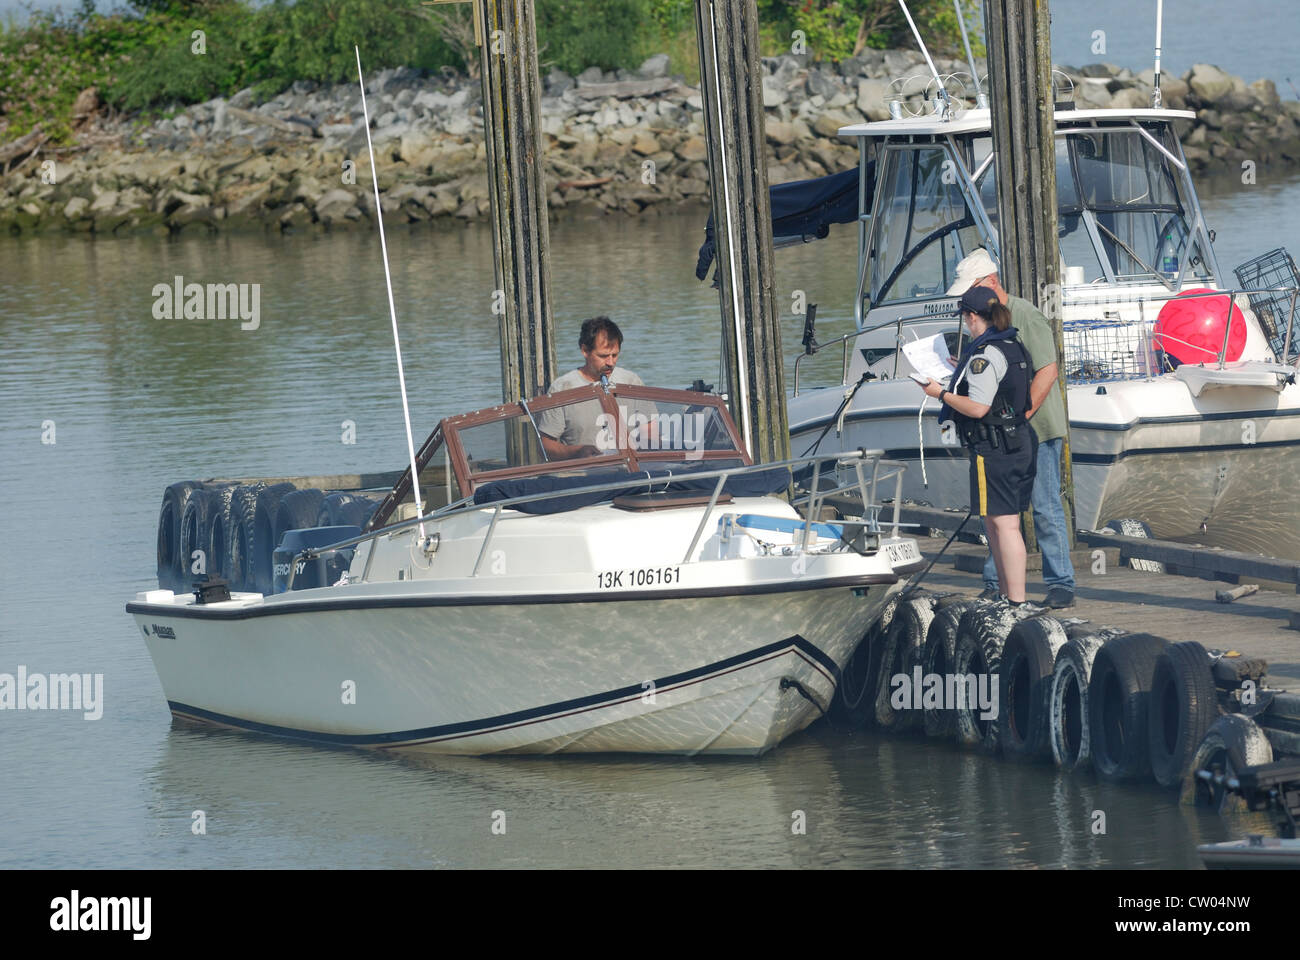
{"x":138,"y":402}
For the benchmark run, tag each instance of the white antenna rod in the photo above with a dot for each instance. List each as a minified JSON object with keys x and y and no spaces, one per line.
{"x":921,"y":43}
{"x":981,"y":100}
{"x":943,"y":92}
{"x":392,"y":310}
{"x":1160,"y":16}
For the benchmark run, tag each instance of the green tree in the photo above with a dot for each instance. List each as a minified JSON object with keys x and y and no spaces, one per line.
{"x":835,"y":29}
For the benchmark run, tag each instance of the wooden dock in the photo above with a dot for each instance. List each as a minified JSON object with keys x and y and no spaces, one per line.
{"x":1173,"y":607}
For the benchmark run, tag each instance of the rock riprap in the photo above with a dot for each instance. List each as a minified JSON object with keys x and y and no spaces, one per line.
{"x":630,"y":142}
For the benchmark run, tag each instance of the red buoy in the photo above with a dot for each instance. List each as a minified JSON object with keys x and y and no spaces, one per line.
{"x":1190,"y":328}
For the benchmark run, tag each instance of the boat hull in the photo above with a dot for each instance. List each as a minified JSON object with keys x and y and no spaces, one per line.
{"x":730,"y":672}
{"x":1216,"y":469}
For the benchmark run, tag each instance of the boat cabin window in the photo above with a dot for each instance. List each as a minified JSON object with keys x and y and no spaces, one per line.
{"x":501,"y":444}
{"x":924,"y":227}
{"x":987,"y":183}
{"x":1125,"y":212}
{"x":663,"y":430}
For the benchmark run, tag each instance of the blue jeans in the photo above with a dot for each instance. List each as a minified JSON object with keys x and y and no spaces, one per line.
{"x":1049,"y":522}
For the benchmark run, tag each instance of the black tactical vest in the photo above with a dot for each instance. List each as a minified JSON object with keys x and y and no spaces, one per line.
{"x":1006,"y":416}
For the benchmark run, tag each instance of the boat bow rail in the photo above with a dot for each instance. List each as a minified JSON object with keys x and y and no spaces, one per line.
{"x":1119,"y":347}
{"x":864,"y":472}
{"x":1117,"y":342}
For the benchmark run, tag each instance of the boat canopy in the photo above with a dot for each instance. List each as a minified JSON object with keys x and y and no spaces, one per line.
{"x":1128,"y":209}
{"x":802,"y":211}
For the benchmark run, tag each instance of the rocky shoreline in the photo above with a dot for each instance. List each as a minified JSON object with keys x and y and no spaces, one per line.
{"x":625,"y":142}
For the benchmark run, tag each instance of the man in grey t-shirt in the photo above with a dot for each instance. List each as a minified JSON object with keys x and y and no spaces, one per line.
{"x":575,"y":430}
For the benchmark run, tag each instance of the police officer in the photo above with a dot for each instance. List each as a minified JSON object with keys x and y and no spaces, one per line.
{"x":987,"y":403}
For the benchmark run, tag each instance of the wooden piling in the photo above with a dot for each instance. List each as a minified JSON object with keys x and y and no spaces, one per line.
{"x":1018,"y":38}
{"x":731,"y":89}
{"x":512,"y":126}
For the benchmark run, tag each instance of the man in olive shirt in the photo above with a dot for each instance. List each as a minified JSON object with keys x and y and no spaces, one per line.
{"x":1047,"y":417}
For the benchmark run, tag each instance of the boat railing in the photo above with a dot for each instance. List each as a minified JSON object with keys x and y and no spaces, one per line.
{"x":856,"y":461}
{"x":1114,"y":348}
{"x":898,"y":324}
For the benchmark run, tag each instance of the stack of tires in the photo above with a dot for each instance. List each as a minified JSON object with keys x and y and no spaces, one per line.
{"x":231,"y":530}
{"x":1137,"y":707}
{"x":1132,"y":706}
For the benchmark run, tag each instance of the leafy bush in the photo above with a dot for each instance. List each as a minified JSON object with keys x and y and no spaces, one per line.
{"x":271,"y":47}
{"x":172,"y":68}
{"x":314,"y":40}
{"x":836,"y":29}
{"x":147,"y":58}
{"x":577,"y":34}
{"x":47,"y":62}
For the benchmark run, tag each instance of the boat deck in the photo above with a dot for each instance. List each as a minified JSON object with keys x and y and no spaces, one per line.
{"x":1176,"y":608}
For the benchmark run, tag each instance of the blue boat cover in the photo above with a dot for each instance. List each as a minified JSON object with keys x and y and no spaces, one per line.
{"x":803,"y":209}
{"x":759,"y":483}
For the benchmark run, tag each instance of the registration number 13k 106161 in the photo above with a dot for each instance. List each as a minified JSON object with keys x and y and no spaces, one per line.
{"x":644,"y":577}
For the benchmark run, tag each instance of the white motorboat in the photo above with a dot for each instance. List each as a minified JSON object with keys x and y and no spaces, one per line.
{"x":658,"y":596}
{"x":1205,"y":452}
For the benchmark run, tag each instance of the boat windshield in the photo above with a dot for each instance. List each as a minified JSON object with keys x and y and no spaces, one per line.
{"x":1125,"y":211}
{"x":572,"y":433}
{"x":923,"y":227}
{"x":589,"y":430}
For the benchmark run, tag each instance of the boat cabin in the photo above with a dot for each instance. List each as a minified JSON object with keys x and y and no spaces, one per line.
{"x":1131,"y":231}
{"x":1128,"y":208}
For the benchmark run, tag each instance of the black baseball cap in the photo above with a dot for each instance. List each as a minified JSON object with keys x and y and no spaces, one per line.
{"x":979,"y":300}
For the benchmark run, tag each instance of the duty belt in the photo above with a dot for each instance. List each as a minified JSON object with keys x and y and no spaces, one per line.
{"x":1006,"y":437}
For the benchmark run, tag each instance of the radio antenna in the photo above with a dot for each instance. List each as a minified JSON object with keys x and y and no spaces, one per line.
{"x":943,"y":92}
{"x":1160,"y":16}
{"x":981,"y":100}
{"x":392,"y":310}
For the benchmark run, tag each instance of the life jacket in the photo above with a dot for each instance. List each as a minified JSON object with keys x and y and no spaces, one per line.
{"x":1005,"y":422}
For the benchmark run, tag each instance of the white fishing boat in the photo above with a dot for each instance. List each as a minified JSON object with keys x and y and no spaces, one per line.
{"x":1204,"y":451}
{"x":659,"y":596}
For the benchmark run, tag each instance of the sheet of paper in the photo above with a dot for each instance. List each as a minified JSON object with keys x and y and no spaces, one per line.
{"x":929,"y":357}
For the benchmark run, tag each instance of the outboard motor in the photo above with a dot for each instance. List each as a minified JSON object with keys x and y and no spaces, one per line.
{"x":317,"y":571}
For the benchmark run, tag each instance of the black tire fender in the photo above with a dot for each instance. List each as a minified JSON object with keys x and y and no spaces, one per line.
{"x":330,"y":513}
{"x":978,"y":655}
{"x":196,"y":524}
{"x":258,"y":572}
{"x":1028,"y":658}
{"x":1067,"y":721}
{"x":853,"y":701}
{"x":939,"y":658}
{"x":218,"y":542}
{"x":1232,"y":743}
{"x":858,"y":699}
{"x":1118,"y":693}
{"x":1128,"y":527}
{"x":1182,"y":705}
{"x":357,"y":511}
{"x":298,"y":510}
{"x":239,"y":549}
{"x":175,"y":499}
{"x":901,"y":648}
